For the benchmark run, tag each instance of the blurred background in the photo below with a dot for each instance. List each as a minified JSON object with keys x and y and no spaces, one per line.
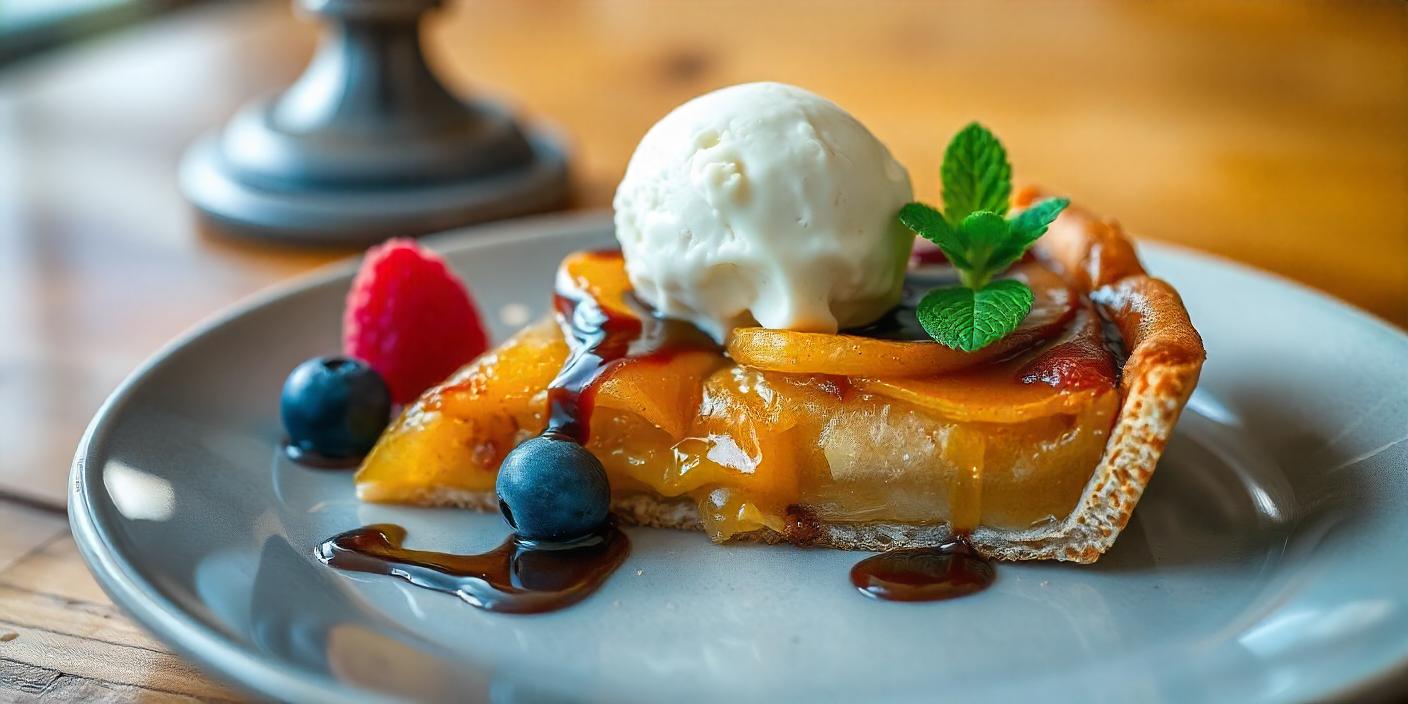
{"x":1272,"y":133}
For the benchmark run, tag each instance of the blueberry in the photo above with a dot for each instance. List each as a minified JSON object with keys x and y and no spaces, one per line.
{"x":551,"y":488}
{"x":334,"y":406}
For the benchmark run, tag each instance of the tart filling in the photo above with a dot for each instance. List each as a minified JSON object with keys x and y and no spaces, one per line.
{"x":759,"y":441}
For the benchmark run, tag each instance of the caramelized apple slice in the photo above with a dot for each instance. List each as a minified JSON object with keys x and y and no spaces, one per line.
{"x":601,"y":276}
{"x":849,"y":355}
{"x":985,"y":396}
{"x":455,"y":436}
{"x":663,"y":391}
{"x":1063,"y":378}
{"x":511,"y":377}
{"x":855,"y":355}
{"x":663,"y":364}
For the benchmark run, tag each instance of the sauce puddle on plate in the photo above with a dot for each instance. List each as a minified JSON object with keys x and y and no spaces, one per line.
{"x":315,"y":460}
{"x":949,"y":571}
{"x":519,"y":576}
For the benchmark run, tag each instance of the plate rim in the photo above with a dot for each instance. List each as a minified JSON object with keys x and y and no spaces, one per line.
{"x":222,"y":657}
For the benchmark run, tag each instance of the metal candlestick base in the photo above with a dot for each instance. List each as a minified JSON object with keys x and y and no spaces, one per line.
{"x":368,"y":144}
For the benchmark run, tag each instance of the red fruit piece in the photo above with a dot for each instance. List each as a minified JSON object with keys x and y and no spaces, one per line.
{"x":1081,"y":361}
{"x":410,"y":318}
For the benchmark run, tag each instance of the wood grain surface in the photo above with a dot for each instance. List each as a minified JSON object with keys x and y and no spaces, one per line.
{"x":1272,"y":133}
{"x":62,"y":640}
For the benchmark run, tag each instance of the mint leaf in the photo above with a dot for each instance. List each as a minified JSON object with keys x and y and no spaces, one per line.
{"x":976,"y":174}
{"x":1027,"y":227}
{"x":929,"y":224}
{"x":1031,"y":223}
{"x":984,"y":232}
{"x":969,"y":320}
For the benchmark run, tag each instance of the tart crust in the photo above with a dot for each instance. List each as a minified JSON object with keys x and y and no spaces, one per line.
{"x":1164,"y":358}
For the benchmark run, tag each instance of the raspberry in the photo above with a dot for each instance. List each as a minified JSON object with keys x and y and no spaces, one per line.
{"x":410,"y":318}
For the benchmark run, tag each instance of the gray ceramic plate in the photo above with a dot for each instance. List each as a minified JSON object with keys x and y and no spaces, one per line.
{"x":1266,"y":563}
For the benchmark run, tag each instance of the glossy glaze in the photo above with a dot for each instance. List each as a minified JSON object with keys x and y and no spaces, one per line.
{"x":948,"y":571}
{"x":519,"y":576}
{"x":601,"y":335}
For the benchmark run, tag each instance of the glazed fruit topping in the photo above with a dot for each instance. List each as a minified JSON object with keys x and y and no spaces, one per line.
{"x":871,"y":351}
{"x":1080,"y":360}
{"x":410,"y":318}
{"x":334,"y":407}
{"x":976,"y":446}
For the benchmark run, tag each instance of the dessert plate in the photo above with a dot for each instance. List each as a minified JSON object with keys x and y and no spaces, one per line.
{"x":1266,"y":562}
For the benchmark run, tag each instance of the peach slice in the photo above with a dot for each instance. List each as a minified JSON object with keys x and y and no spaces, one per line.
{"x":853,"y":355}
{"x":602,"y":276}
{"x":454,"y":437}
{"x":1066,"y":377}
{"x":986,"y":396}
{"x":664,"y":392}
{"x":849,"y":355}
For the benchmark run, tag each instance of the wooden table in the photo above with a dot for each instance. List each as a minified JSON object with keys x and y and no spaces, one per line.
{"x":1273,"y":133}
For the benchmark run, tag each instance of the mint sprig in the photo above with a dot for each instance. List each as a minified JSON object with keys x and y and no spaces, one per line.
{"x":978,"y":238}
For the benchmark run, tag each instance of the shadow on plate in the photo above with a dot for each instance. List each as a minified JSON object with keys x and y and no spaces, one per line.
{"x":1219,"y":497}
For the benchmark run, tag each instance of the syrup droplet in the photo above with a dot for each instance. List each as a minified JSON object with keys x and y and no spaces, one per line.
{"x":949,"y":571}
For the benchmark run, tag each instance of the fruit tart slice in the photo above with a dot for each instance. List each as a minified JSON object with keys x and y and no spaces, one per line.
{"x":1035,"y":447}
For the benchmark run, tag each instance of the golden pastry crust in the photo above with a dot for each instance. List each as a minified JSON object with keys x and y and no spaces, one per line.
{"x":1164,"y":358}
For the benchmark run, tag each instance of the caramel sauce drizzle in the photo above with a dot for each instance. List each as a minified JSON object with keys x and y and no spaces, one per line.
{"x":519,"y":576}
{"x":599,"y":338}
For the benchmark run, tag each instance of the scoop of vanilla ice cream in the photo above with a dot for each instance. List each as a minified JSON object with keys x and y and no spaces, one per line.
{"x":764,"y":203}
